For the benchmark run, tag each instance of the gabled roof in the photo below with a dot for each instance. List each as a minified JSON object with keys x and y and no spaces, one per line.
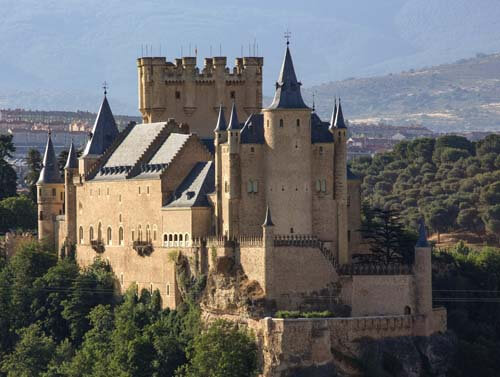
{"x":319,"y":130}
{"x":334,"y":114}
{"x":287,"y":95}
{"x":71,"y":162}
{"x":268,"y":221}
{"x":221,"y":121}
{"x":193,"y":190}
{"x":104,"y":131}
{"x":50,"y":167}
{"x":253,"y":130}
{"x":234,"y":124}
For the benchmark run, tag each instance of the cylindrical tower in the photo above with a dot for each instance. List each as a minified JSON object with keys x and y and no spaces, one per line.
{"x":70,"y":171}
{"x":50,"y":194}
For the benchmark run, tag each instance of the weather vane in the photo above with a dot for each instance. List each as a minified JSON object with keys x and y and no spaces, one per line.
{"x":105,"y":87}
{"x":288,"y":35}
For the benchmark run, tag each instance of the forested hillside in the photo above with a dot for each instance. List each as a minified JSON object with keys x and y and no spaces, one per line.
{"x":452,"y":182}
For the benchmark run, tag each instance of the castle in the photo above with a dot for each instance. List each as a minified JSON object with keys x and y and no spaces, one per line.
{"x":271,"y":193}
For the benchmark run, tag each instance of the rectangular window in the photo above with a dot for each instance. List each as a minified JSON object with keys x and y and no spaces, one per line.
{"x":39,"y":192}
{"x":323,"y":185}
{"x":255,"y":186}
{"x":147,"y":190}
{"x":318,"y":185}
{"x":168,"y":289}
{"x":62,"y":196}
{"x":139,"y":189}
{"x":177,"y":94}
{"x":249,"y":187}
{"x":41,"y":215}
{"x":348,"y":236}
{"x":53,"y":192}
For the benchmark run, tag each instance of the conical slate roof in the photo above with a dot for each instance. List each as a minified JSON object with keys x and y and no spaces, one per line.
{"x":221,"y":121}
{"x":104,"y":131}
{"x":268,"y":221}
{"x":422,"y":235}
{"x":234,"y":124}
{"x":334,"y":115}
{"x":339,"y":117}
{"x":50,"y":168}
{"x":71,"y":162}
{"x":288,"y":94}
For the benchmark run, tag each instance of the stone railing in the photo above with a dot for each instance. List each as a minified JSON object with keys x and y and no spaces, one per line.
{"x":250,"y":241}
{"x":375,"y":269}
{"x":299,"y":240}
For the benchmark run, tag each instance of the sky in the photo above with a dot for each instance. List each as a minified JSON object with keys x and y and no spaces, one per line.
{"x":58,"y":52}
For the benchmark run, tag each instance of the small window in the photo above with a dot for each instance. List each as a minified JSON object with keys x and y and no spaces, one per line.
{"x":41,"y":215}
{"x":120,"y":236}
{"x":107,"y":191}
{"x":120,"y":217}
{"x":267,"y":123}
{"x":320,"y":150}
{"x":168,"y":289}
{"x":226,"y":186}
{"x":53,"y":192}
{"x":407,"y":310}
{"x":318,"y":185}
{"x":62,"y":196}
{"x":91,"y":233}
{"x":121,"y":279}
{"x":233,"y":94}
{"x":249,"y":186}
{"x":165,"y":240}
{"x":323,"y":185}
{"x":139,"y":189}
{"x":291,"y":230}
{"x":348,"y":200}
{"x":99,"y":232}
{"x":252,"y":149}
{"x":154,"y":235}
{"x":80,"y":235}
{"x":298,"y":122}
{"x":151,"y":288}
{"x":147,"y":190}
{"x":108,"y":236}
{"x":348,"y":236}
{"x":39,"y":192}
{"x":99,"y":192}
{"x":120,"y":198}
{"x":60,"y":212}
{"x":133,"y":236}
{"x":186,"y":239}
{"x":255,"y":186}
{"x":177,"y":94}
{"x":281,"y":123}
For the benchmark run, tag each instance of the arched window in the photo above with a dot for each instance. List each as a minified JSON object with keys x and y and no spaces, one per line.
{"x":154,"y":235}
{"x":407,"y":310}
{"x":176,"y":240}
{"x":91,"y":233}
{"x":281,"y":123}
{"x":298,"y":122}
{"x":267,"y":123}
{"x":165,"y":240}
{"x":181,"y":243}
{"x":99,"y":232}
{"x":80,"y":235}
{"x":120,"y":236}
{"x":148,"y":233}
{"x":108,"y":236}
{"x":133,"y":236}
{"x":139,"y":234}
{"x":186,"y":239}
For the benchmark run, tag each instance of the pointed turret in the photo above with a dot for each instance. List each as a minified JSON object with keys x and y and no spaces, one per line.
{"x":422,"y":235}
{"x":288,"y":94}
{"x":339,"y":117}
{"x":221,"y":121}
{"x":334,"y":115}
{"x":50,"y":168}
{"x":234,"y":124}
{"x":104,"y":131}
{"x":71,"y":162}
{"x":268,"y":221}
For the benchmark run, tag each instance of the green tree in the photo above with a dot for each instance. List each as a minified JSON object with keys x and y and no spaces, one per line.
{"x":8,"y":180}
{"x":223,"y":351}
{"x":34,"y":162}
{"x":32,"y":354}
{"x":23,"y":212}
{"x":6,"y":146}
{"x":470,"y":218}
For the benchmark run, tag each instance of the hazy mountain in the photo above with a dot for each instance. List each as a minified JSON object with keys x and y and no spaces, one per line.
{"x":462,"y":95}
{"x":56,"y":53}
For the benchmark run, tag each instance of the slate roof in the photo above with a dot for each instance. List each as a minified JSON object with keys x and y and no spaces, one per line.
{"x":287,"y":95}
{"x":193,"y":191}
{"x":234,"y":124}
{"x":71,"y":162}
{"x":268,"y":221}
{"x":320,"y":130}
{"x":104,"y":131}
{"x":422,"y":235}
{"x":339,"y":118}
{"x":50,"y":168}
{"x":253,"y":130}
{"x":221,"y":121}
{"x":127,"y":155}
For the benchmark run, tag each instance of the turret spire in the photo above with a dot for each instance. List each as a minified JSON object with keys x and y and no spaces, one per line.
{"x":50,"y":168}
{"x":104,"y":131}
{"x":268,"y":221}
{"x":71,"y":162}
{"x":422,"y":235}
{"x":339,"y":117}
{"x":288,"y":94}
{"x":221,"y":121}
{"x":334,"y":115}
{"x":234,"y":124}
